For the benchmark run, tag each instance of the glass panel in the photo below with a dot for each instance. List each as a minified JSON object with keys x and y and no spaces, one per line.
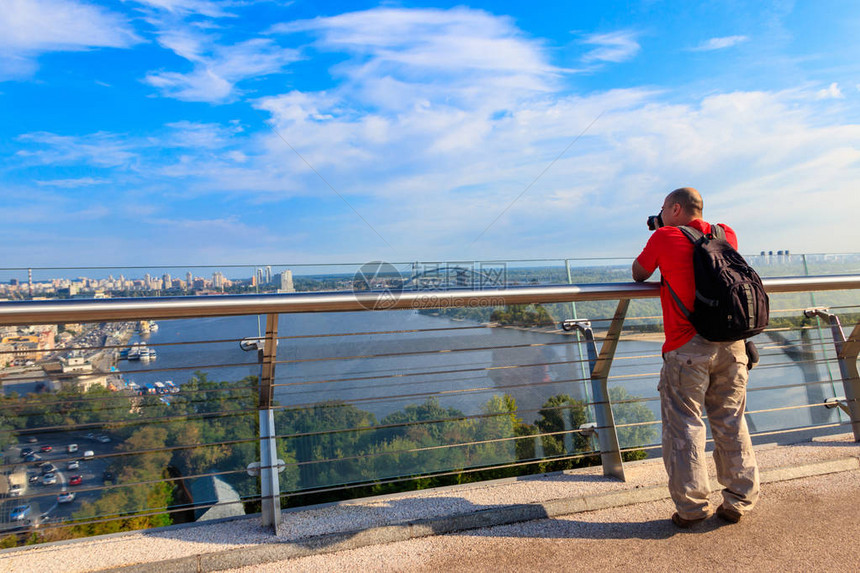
{"x":116,"y":426}
{"x":366,"y":402}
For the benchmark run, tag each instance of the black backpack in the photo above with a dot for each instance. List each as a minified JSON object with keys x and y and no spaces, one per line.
{"x":730,"y":300}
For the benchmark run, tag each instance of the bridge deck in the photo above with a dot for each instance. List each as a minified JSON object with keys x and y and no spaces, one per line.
{"x":807,"y":520}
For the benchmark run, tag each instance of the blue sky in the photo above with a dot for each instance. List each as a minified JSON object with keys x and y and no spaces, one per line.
{"x":178,"y":132}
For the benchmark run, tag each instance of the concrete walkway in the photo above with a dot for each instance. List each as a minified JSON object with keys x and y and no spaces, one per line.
{"x":808,"y":519}
{"x":804,"y":525}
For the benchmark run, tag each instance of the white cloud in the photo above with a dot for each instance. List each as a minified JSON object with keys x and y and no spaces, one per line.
{"x":203,"y":84}
{"x":99,"y":149}
{"x":430,"y":151}
{"x":431,"y":156}
{"x":32,"y":27}
{"x":769,"y":152}
{"x":186,"y":7}
{"x":720,"y":43}
{"x":72,"y":183}
{"x":612,"y":47}
{"x":830,"y":92}
{"x":436,"y":55}
{"x":217,"y":69}
{"x":200,"y":135}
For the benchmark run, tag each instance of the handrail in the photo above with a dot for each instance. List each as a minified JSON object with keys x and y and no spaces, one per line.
{"x":106,"y":310}
{"x":271,"y":305}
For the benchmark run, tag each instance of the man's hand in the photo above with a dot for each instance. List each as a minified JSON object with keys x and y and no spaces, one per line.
{"x":639,"y":272}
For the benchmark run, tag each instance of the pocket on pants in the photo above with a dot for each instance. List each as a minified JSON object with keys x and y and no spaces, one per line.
{"x":690,"y":370}
{"x":739,"y":352}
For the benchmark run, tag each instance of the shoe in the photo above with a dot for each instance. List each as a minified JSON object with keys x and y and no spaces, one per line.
{"x":729,"y":514}
{"x":686,"y":523}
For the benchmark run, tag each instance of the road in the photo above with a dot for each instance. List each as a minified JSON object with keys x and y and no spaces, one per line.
{"x":43,"y":498}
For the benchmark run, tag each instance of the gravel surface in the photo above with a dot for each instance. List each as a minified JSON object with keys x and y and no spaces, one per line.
{"x":156,"y":546}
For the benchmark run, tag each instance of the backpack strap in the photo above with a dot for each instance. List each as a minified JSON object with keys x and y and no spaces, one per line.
{"x":695,"y":236}
{"x":718,"y":232}
{"x":680,"y":304}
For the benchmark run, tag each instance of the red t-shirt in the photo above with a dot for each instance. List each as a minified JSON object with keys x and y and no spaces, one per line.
{"x":672,"y":252}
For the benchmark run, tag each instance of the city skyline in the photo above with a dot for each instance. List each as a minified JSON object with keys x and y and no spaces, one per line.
{"x":189,"y":281}
{"x":170,"y":132}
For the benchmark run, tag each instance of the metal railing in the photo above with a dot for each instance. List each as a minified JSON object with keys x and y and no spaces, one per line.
{"x":271,"y":349}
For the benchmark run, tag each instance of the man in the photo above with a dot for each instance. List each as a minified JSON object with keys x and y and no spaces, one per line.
{"x":697,"y":373}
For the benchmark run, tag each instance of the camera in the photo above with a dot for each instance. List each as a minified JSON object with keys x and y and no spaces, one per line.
{"x":655,"y":222}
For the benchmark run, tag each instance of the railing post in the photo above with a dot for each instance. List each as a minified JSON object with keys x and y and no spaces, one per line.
{"x":269,"y":485}
{"x":851,"y":377}
{"x":607,"y":435}
{"x":847,"y":352}
{"x":582,"y":366}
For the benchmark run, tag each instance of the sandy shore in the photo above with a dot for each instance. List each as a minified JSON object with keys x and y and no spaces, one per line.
{"x":598,"y":334}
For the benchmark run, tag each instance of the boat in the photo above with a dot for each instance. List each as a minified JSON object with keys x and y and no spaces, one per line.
{"x":147,"y":353}
{"x":134,"y":353}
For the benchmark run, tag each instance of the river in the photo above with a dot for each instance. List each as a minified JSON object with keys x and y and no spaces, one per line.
{"x":354,"y":357}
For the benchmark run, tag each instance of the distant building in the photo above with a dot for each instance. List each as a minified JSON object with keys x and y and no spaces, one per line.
{"x":287,"y":282}
{"x":6,"y":354}
{"x":77,"y":364}
{"x":31,"y":346}
{"x":23,"y":347}
{"x":69,"y":291}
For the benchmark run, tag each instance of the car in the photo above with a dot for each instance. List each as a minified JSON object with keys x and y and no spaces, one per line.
{"x":88,"y":454}
{"x":90,"y":436}
{"x":32,"y":439}
{"x":76,"y":480}
{"x":109,"y":476}
{"x":72,"y":448}
{"x":103,"y":439}
{"x":49,"y":479}
{"x":32,"y":458}
{"x":73,"y":465}
{"x":26,"y":451}
{"x":65,"y":497}
{"x":46,"y":448}
{"x":47,"y":468}
{"x":15,"y":490}
{"x":34,"y":478}
{"x":20,"y":513}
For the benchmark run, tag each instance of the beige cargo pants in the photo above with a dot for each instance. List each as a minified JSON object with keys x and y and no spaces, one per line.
{"x":712,"y":375}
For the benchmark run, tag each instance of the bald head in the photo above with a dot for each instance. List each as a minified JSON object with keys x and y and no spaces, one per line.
{"x":681,"y":206}
{"x":689,"y":200}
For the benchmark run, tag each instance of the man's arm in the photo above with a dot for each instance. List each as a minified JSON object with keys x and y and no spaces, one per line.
{"x":639,"y":272}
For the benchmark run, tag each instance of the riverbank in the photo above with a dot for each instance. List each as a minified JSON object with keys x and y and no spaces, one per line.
{"x":632,"y":335}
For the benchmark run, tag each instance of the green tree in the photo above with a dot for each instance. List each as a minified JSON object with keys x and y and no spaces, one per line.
{"x":560,"y":418}
{"x":627,"y":409}
{"x":523,"y":315}
{"x":327,"y":438}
